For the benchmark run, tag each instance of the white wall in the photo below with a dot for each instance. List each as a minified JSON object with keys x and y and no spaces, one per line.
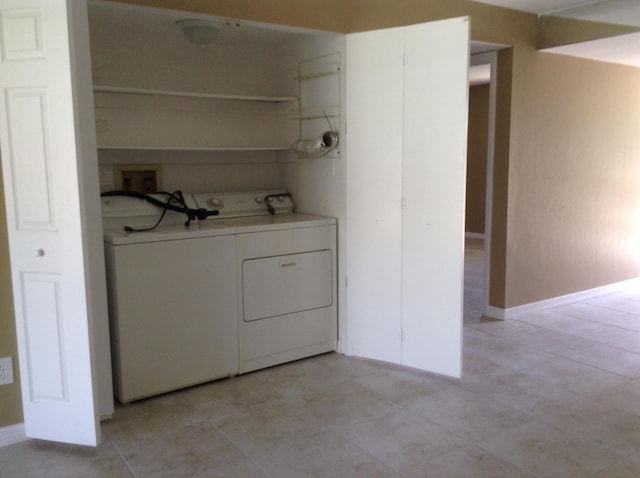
{"x":197,"y":171}
{"x":152,"y":53}
{"x":149,"y":50}
{"x":318,"y":185}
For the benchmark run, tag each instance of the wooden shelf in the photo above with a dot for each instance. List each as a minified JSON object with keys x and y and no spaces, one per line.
{"x":186,"y":94}
{"x":196,"y":148}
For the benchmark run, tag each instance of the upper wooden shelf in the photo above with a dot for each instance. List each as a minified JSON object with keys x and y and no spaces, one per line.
{"x":188,"y":94}
{"x":194,"y":148}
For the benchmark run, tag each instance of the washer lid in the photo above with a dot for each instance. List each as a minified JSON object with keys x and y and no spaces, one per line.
{"x":171,"y":232}
{"x":120,"y":211}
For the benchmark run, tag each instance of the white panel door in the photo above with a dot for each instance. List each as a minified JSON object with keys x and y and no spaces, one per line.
{"x":406,"y":140}
{"x":47,"y":240}
{"x":434,"y":168}
{"x":374,"y":110}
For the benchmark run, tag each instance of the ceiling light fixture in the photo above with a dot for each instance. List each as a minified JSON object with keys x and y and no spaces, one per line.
{"x":197,"y":31}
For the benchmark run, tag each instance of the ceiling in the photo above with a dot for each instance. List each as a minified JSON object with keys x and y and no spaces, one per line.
{"x":547,"y":6}
{"x":624,"y":49}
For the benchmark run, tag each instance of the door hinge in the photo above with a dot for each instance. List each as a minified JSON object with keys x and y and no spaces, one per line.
{"x":405,"y":59}
{"x":402,"y":336}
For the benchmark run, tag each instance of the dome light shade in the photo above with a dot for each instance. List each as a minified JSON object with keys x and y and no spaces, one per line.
{"x":197,"y":31}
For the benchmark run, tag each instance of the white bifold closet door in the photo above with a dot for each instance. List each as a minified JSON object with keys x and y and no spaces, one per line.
{"x":50,"y":173}
{"x":407,"y":93}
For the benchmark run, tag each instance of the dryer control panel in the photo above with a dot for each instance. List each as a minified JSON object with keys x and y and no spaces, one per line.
{"x":253,"y":203}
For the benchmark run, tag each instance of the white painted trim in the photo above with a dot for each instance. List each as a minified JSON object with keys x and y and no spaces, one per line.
{"x":495,"y":312}
{"x":513,"y":312}
{"x":491,"y":58}
{"x":474,"y":235}
{"x":12,"y":434}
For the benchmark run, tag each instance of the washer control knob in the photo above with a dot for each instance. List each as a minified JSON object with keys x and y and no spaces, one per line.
{"x":214,"y":202}
{"x":40,"y":253}
{"x":269,"y":199}
{"x":258,"y":200}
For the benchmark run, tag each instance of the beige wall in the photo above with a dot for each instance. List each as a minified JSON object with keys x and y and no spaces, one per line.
{"x":488,"y":23}
{"x":574,"y":176}
{"x":10,"y":404}
{"x":500,"y":193}
{"x":477,"y":141}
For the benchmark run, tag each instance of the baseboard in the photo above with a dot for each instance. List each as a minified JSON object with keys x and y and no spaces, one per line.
{"x":12,"y":434}
{"x":474,"y":235}
{"x":495,"y":313}
{"x":513,"y":312}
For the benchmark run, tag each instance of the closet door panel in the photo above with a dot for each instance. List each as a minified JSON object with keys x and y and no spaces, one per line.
{"x":374,"y":189}
{"x":434,"y":168}
{"x":47,"y":148}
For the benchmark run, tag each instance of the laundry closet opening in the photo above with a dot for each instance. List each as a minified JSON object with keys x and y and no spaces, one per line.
{"x":235,"y":119}
{"x":225,"y":117}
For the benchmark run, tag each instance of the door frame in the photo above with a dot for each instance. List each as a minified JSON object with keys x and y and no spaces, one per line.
{"x":488,"y":58}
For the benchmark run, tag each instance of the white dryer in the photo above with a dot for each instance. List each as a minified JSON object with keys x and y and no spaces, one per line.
{"x":286,"y":277}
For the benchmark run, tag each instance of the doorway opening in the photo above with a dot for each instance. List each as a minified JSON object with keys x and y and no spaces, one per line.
{"x":480,"y":152}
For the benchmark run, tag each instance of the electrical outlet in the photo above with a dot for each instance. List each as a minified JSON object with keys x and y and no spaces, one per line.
{"x":6,"y":371}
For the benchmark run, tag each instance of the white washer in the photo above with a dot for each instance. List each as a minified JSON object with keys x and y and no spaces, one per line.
{"x":172,"y":300}
{"x":286,"y":276}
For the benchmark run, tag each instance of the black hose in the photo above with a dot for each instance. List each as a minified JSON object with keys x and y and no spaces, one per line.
{"x":177,"y":196}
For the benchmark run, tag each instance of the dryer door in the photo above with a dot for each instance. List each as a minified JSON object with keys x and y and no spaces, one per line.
{"x":281,"y":285}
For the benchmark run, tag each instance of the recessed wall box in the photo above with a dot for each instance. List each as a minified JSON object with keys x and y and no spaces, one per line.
{"x":143,"y":178}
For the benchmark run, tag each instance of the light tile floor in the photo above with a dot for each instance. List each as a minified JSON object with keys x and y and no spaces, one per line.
{"x":551,"y":394}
